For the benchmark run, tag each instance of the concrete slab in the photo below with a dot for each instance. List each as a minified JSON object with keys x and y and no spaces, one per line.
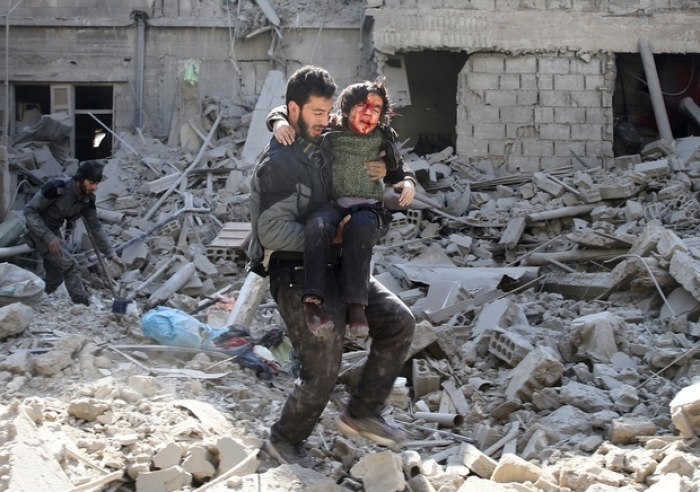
{"x":271,"y":95}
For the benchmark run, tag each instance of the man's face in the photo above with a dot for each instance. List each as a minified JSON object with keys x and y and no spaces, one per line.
{"x":364,"y":116}
{"x":310,"y":120}
{"x":86,"y":186}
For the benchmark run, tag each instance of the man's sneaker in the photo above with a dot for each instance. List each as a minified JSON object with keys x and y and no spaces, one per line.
{"x":289,"y":454}
{"x":373,"y":428}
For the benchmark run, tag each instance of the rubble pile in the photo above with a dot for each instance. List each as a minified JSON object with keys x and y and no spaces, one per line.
{"x":555,"y":347}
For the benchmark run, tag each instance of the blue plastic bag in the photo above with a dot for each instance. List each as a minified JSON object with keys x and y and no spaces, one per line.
{"x":169,"y":326}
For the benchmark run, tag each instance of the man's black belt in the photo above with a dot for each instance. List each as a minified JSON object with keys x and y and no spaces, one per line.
{"x":297,"y":257}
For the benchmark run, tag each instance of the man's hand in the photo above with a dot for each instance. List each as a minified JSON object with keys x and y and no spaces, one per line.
{"x":408,"y":191}
{"x":118,"y":261}
{"x":338,"y":239}
{"x":55,"y":245}
{"x":283,"y":132}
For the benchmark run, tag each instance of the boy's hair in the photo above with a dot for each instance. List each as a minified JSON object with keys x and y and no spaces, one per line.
{"x":357,"y":93}
{"x":309,"y":81}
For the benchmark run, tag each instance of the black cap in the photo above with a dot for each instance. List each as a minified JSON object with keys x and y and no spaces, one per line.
{"x":91,"y":170}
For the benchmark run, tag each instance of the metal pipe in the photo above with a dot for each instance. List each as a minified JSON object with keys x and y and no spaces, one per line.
{"x":140,"y":64}
{"x":657,"y":98}
{"x":6,"y":116}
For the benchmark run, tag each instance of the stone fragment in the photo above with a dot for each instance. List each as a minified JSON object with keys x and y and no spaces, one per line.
{"x":626,"y":430}
{"x":512,"y":468}
{"x":167,"y":455}
{"x":539,"y":369}
{"x":587,"y":398}
{"x":478,"y":462}
{"x":14,"y":319}
{"x":52,"y":363}
{"x":168,"y":480}
{"x":685,"y":411}
{"x":198,"y":464}
{"x":380,"y":472}
{"x":580,"y":474}
{"x":87,"y":409}
{"x":592,"y":337}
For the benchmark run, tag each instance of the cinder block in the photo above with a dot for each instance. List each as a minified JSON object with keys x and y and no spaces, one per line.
{"x":424,"y":381}
{"x":539,"y":369}
{"x":509,"y":347}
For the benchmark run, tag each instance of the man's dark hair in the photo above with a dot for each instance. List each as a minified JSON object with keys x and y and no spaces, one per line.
{"x":309,"y":81}
{"x":357,"y":93}
{"x":91,"y":170}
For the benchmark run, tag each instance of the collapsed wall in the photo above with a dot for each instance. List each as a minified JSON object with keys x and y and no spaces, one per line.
{"x":539,"y":81}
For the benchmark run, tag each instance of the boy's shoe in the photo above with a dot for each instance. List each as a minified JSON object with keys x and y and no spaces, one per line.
{"x":316,"y":322}
{"x":289,"y":454}
{"x":358,"y":327}
{"x":373,"y":428}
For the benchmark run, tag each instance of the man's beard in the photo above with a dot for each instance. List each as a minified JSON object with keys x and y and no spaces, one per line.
{"x":81,"y":188}
{"x":304,"y":130}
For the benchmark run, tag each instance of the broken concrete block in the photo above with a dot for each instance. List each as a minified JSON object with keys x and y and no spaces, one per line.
{"x":87,"y":409}
{"x":685,"y":411}
{"x":167,"y":455}
{"x":502,"y":313}
{"x":547,"y":185}
{"x":14,"y":319}
{"x":540,"y":368}
{"x":509,"y":347}
{"x":380,"y":472}
{"x":653,"y":169}
{"x":231,"y":453}
{"x":633,"y":211}
{"x":479,"y":463}
{"x":627,"y":429}
{"x":510,"y":237}
{"x":198,"y":464}
{"x":168,"y":480}
{"x":424,"y":380}
{"x":592,"y":337}
{"x":172,"y":285}
{"x":686,"y":270}
{"x":590,"y":399}
{"x":512,"y":468}
{"x":52,"y":363}
{"x":619,"y":190}
{"x":580,"y":475}
{"x":423,"y":335}
{"x":669,"y":243}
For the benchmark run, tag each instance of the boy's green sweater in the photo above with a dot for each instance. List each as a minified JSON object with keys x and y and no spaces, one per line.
{"x":350,"y":151}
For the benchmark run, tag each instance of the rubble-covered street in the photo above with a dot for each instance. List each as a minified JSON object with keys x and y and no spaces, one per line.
{"x":555,"y":347}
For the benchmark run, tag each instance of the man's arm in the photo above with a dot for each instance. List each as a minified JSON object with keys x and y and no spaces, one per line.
{"x":278,"y":227}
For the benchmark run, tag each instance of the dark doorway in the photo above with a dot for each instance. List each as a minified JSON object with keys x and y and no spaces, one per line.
{"x":31,"y":101}
{"x":92,"y":140}
{"x":430,"y":121}
{"x":635,"y":122}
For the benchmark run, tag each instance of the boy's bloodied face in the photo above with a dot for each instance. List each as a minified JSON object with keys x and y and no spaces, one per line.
{"x":364,"y":116}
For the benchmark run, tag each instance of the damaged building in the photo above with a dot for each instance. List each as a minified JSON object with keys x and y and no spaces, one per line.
{"x":523,"y":85}
{"x":550,"y":257}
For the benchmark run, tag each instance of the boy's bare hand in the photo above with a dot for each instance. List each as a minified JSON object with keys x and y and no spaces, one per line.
{"x":376,"y":170}
{"x":283,"y":132}
{"x":408,"y":191}
{"x":338,"y":239}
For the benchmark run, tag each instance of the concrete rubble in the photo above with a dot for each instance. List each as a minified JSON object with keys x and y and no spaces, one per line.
{"x":556,"y":346}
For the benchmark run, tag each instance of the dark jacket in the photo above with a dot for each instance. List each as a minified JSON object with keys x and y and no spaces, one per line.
{"x":57,"y":202}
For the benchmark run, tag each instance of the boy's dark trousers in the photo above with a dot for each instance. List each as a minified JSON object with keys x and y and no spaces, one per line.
{"x":360,"y":234}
